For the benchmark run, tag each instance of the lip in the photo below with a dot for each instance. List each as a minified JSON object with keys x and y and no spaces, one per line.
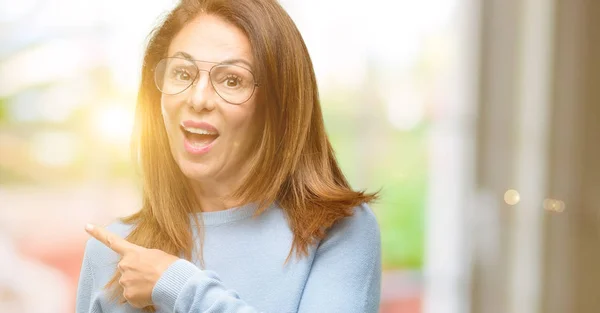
{"x":202,"y":125}
{"x":189,"y":147}
{"x":195,"y":150}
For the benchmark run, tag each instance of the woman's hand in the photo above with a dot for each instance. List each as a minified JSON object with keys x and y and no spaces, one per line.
{"x":140,"y":267}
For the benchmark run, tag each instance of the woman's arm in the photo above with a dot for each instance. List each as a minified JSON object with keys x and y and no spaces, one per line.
{"x":184,"y":288}
{"x":85,"y":302}
{"x":346,"y":272}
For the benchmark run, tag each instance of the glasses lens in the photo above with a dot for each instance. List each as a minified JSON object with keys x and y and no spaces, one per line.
{"x":174,"y":75}
{"x":233,"y":83}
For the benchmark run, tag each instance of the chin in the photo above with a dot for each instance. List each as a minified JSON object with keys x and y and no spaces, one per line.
{"x":195,"y":171}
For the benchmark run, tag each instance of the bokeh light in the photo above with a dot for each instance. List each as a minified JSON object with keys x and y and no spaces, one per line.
{"x":512,"y":197}
{"x":554,"y":205}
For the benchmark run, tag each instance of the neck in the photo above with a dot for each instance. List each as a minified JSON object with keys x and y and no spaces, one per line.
{"x":213,"y":195}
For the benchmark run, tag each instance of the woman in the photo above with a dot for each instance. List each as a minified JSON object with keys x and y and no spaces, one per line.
{"x":244,"y":208}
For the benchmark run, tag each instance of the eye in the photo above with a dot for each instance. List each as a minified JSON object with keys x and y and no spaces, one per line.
{"x":232,"y":81}
{"x":181,"y":74}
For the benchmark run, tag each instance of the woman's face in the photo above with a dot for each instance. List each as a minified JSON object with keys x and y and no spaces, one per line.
{"x":209,"y":137}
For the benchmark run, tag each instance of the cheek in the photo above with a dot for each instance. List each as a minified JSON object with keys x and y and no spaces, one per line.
{"x":168,"y":109}
{"x":244,"y":126}
{"x":163,"y":109}
{"x":170,"y":121}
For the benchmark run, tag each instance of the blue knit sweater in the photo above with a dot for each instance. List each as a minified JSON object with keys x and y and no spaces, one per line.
{"x":245,"y":269}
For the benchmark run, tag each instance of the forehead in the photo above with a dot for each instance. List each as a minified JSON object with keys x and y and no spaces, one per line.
{"x":211,"y":38}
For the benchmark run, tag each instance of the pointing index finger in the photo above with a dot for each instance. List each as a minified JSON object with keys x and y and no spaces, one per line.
{"x":109,"y":239}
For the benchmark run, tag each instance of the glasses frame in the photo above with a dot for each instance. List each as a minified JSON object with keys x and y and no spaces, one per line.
{"x":195,"y":80}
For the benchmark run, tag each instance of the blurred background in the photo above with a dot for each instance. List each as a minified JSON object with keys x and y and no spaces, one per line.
{"x":479,"y":119}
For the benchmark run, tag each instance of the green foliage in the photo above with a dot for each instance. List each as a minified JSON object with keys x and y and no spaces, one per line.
{"x":3,"y":110}
{"x":394,"y":162}
{"x":401,"y":213}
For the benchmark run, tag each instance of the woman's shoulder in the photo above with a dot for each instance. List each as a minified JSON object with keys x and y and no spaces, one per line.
{"x":361,"y":229}
{"x":363,"y":220}
{"x":100,"y":255}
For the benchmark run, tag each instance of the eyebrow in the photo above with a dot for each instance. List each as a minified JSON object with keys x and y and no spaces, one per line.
{"x":226,"y":61}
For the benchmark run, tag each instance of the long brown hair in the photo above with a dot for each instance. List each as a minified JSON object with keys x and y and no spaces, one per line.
{"x":294,"y":164}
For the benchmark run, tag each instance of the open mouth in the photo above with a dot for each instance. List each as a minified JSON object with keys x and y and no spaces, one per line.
{"x":199,"y":138}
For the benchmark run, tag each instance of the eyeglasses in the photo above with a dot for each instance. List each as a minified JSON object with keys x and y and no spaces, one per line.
{"x":234,"y":83}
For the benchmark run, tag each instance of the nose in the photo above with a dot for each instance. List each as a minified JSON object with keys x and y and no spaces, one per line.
{"x":202,"y":94}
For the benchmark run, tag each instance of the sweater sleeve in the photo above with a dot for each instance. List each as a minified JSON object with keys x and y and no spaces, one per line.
{"x":345,"y":276}
{"x":86,"y":299}
{"x":346,"y":271}
{"x":184,"y":288}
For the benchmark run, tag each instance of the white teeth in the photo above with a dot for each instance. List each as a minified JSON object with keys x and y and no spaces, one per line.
{"x":198,"y":145}
{"x":198,"y":131}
